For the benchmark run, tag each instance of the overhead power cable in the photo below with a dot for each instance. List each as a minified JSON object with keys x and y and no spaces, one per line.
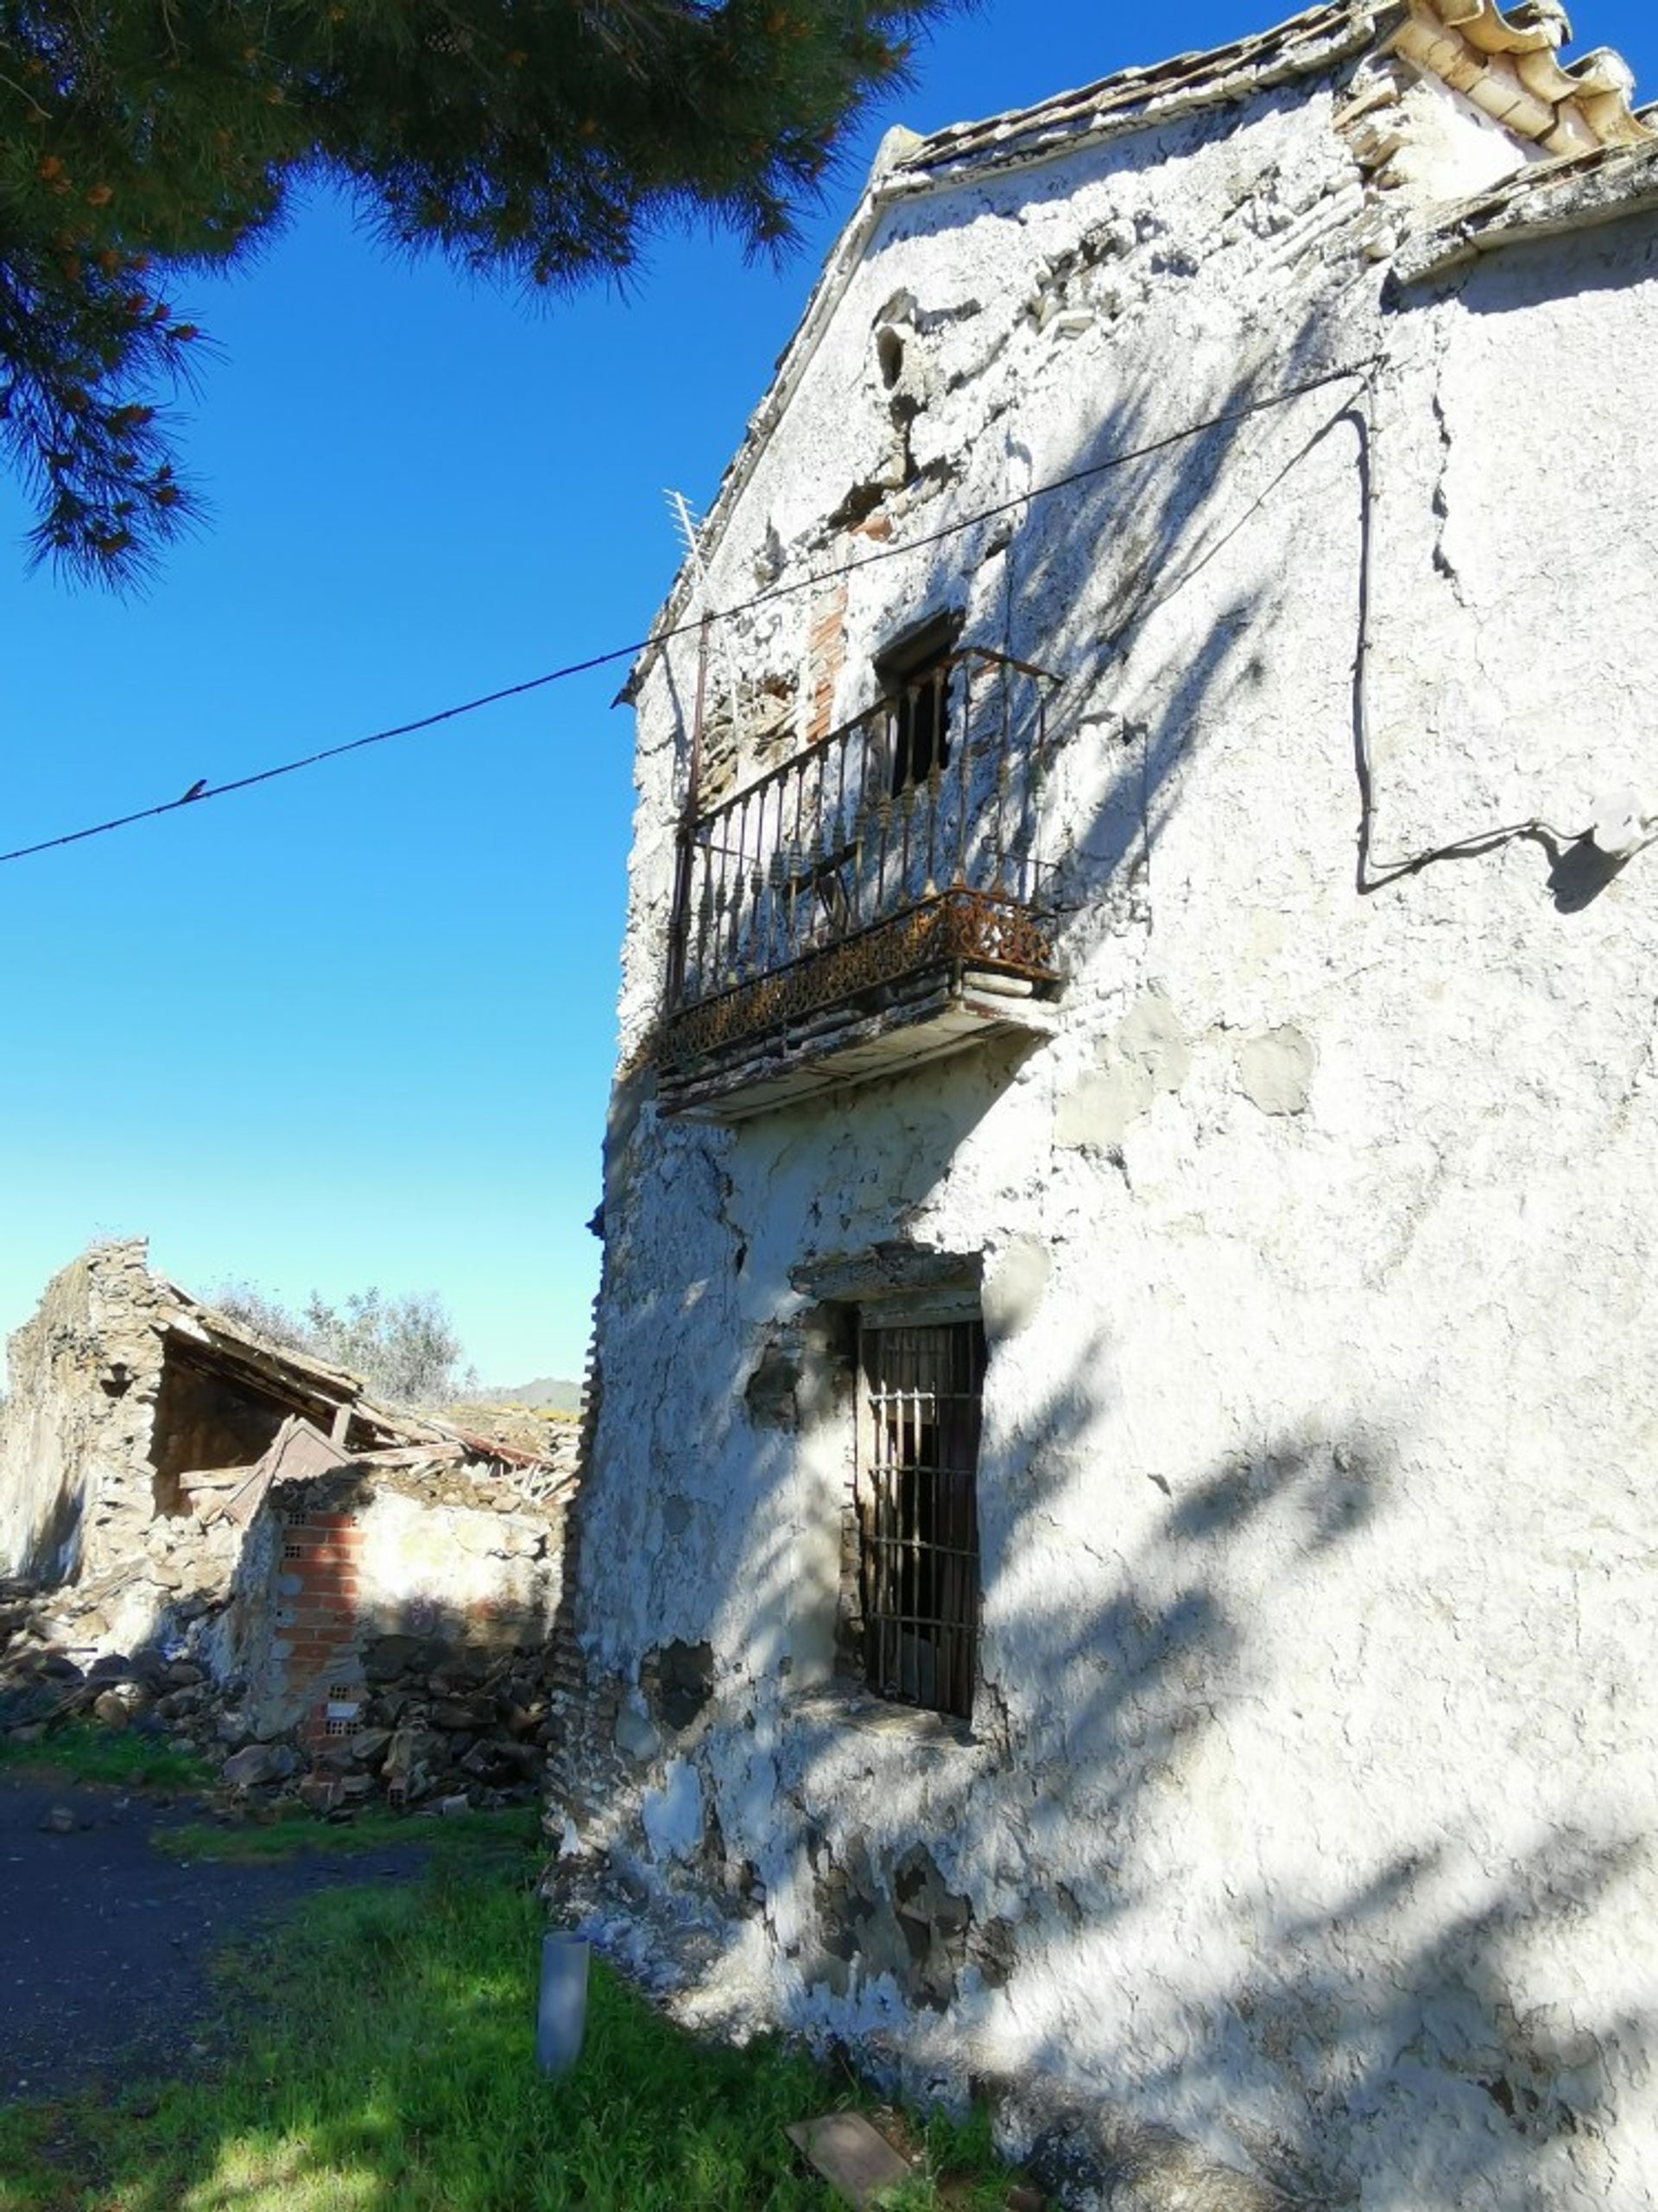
{"x":203,"y":790}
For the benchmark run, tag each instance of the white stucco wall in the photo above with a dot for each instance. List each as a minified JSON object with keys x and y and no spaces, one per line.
{"x":469,"y":1565}
{"x":1308,"y":1809}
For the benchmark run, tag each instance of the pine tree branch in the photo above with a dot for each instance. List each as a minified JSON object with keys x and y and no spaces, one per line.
{"x":142,"y":138}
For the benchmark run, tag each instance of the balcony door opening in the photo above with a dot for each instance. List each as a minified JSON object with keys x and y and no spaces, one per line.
{"x":916,"y":677}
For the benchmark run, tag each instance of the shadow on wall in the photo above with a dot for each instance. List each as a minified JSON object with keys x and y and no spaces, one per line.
{"x":1377,"y":2031}
{"x":52,"y":1551}
{"x":1393,"y":2011}
{"x":1335,"y":2010}
{"x":1151,"y":528}
{"x":1089,"y":573}
{"x":1328,"y":2032}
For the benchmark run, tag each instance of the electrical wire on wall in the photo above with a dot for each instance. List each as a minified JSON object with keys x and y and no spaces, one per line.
{"x":1582,"y":860}
{"x":204,"y":789}
{"x":1580,"y":865}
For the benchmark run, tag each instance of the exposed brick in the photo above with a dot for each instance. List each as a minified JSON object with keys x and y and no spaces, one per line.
{"x":826,"y":654}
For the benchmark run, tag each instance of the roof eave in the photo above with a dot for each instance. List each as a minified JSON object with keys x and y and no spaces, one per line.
{"x":1575,"y":194}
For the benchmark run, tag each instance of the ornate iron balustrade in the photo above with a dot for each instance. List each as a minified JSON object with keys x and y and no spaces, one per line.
{"x":908,"y":837}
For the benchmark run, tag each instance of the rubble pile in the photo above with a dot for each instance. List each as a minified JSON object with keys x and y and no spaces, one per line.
{"x":434,"y":1726}
{"x":227,"y":1544}
{"x":51,"y":1670}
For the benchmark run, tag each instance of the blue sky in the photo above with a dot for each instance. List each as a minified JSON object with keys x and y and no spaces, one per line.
{"x":356,"y":1026}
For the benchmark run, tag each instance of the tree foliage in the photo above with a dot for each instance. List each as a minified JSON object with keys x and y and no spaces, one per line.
{"x":537,"y":140}
{"x":406,"y":1349}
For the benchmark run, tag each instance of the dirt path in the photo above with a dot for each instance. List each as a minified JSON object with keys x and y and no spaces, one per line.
{"x":105,"y":1942}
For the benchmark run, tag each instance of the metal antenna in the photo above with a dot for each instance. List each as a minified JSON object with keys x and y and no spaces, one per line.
{"x":687,"y":520}
{"x":688,"y":524}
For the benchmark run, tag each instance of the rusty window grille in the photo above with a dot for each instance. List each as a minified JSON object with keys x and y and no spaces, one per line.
{"x":921,"y":1392}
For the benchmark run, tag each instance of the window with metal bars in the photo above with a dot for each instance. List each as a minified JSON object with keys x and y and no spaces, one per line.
{"x":921,"y":1392}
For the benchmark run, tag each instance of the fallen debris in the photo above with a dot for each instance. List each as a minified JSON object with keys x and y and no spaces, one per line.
{"x":856,"y":2160}
{"x":435,"y":1723}
{"x":232,"y":1547}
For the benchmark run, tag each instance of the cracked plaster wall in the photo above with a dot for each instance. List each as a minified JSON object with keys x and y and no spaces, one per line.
{"x":1306,"y":1806}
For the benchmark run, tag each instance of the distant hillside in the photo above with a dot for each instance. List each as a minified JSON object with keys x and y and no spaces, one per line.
{"x":547,"y":1394}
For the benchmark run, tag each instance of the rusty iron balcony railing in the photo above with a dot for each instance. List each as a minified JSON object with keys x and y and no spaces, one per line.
{"x":908,"y":839}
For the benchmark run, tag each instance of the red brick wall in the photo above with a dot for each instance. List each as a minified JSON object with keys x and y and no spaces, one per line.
{"x":317,"y":1644}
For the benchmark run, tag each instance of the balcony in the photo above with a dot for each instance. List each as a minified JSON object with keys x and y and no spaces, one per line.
{"x":872,"y":904}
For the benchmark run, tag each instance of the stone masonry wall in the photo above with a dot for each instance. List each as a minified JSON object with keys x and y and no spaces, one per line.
{"x":380,"y":1627}
{"x":84,"y":1373}
{"x":378,"y":1633}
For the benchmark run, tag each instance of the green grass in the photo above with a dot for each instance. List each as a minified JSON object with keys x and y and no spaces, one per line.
{"x":85,"y":1750}
{"x":296,"y":1832}
{"x":386,"y":2065}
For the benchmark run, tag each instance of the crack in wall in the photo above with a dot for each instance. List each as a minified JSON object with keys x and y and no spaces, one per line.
{"x":1444,"y":565}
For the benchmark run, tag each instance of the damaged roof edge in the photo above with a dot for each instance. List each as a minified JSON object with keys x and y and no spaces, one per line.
{"x":1575,"y":194}
{"x":907,"y":167}
{"x":1502,"y":57}
{"x":221,"y":1337}
{"x":1135,"y":98}
{"x":218,"y":1331}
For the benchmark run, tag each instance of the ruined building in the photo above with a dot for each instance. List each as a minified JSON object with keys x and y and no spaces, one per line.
{"x":1118,"y":1551}
{"x":350,"y":1582}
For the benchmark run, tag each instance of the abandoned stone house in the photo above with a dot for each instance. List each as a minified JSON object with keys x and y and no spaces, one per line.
{"x":1118,"y":1549}
{"x":176,"y":1488}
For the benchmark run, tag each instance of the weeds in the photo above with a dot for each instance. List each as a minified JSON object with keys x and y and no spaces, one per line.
{"x":86,"y":1751}
{"x":381,"y":2060}
{"x":296,"y":1832}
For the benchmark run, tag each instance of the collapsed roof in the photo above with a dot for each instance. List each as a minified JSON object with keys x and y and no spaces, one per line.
{"x":332,"y":1399}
